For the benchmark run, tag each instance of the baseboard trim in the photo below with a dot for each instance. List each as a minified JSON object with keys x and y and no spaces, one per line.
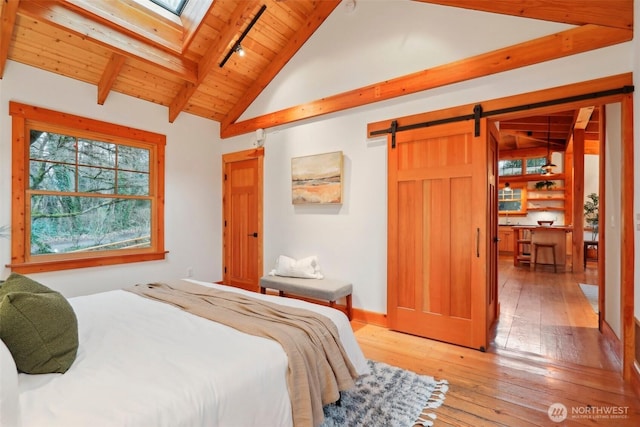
{"x":635,"y":379}
{"x":370,"y":317}
{"x":612,"y":339}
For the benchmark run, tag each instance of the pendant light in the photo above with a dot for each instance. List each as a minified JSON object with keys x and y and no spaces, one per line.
{"x":547,"y":168}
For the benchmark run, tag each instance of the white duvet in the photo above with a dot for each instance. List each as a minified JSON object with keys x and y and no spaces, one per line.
{"x":147,"y":364}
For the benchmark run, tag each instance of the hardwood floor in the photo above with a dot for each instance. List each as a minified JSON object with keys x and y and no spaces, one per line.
{"x":546,"y":313}
{"x":547,"y":350}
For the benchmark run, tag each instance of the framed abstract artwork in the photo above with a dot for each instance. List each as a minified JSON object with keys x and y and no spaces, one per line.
{"x":317,"y":179}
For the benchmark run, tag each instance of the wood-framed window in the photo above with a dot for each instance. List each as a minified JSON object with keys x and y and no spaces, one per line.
{"x":84,"y":192}
{"x":512,"y":200}
{"x":521,"y":167}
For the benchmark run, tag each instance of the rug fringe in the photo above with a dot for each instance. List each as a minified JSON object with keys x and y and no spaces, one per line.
{"x":437,"y":397}
{"x":435,"y":400}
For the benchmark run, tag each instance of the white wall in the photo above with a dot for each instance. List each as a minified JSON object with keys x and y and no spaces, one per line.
{"x":612,"y":222}
{"x":351,"y":240}
{"x":192,"y":179}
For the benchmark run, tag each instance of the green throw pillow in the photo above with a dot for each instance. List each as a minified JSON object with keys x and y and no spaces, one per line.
{"x":19,"y":283}
{"x":38,"y":326}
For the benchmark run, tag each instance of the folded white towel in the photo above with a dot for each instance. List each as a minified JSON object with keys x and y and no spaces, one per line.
{"x":306,"y":268}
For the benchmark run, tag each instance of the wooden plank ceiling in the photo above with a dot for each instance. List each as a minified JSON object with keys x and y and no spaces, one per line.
{"x":148,"y":53}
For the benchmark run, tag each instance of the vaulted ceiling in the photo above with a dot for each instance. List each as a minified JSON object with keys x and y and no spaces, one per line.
{"x":145,"y":52}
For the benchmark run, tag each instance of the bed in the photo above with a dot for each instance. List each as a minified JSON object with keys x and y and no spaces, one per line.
{"x":144,"y":363}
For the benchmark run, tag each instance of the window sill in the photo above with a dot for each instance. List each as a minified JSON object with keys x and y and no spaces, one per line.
{"x":43,"y":266}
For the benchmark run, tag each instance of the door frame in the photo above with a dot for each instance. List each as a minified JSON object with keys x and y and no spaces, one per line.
{"x":627,"y":268}
{"x":254,"y":154}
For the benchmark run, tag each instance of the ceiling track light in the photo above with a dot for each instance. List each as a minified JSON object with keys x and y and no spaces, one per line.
{"x":237,"y":47}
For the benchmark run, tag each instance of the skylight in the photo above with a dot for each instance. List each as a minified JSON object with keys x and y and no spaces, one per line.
{"x":173,"y":6}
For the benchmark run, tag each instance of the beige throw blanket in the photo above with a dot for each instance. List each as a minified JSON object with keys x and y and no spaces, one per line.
{"x":319,"y":367}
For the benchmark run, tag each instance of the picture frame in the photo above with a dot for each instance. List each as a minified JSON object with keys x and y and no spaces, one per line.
{"x":317,"y":179}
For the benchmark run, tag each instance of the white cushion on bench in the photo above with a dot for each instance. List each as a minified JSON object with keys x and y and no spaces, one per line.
{"x":306,"y":268}
{"x":325,"y":289}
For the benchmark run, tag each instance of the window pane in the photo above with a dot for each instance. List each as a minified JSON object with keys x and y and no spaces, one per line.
{"x":534,"y":165}
{"x":52,"y":146}
{"x":133,"y":183}
{"x":96,"y":180}
{"x":133,"y":159}
{"x":173,"y":6}
{"x":51,"y":176}
{"x":510,"y":206}
{"x":63,"y":224}
{"x":509,"y":167}
{"x":510,"y":200}
{"x":96,"y":153}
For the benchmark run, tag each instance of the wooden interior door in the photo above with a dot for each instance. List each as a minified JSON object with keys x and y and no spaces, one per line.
{"x":442,"y":251}
{"x":242,"y":200}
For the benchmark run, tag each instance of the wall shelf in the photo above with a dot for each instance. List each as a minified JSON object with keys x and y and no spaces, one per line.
{"x":547,"y":208}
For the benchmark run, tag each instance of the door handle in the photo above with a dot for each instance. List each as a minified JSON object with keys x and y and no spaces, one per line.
{"x":478,"y":243}
{"x":253,"y":235}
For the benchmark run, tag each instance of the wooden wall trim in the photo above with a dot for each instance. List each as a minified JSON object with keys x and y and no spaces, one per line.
{"x":635,"y":380}
{"x":627,"y":267}
{"x":370,"y":317}
{"x":612,"y":339}
{"x":559,"y":45}
{"x":577,"y":196}
{"x":635,"y":372}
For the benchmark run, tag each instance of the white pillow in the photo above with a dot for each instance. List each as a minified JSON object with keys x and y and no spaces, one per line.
{"x":306,"y":268}
{"x":9,"y":400}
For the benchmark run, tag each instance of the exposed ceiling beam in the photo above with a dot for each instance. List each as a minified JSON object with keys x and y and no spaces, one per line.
{"x":319,"y":15}
{"x":520,"y":153}
{"x":241,"y":14}
{"x":7,"y":20}
{"x":109,"y":76}
{"x":607,"y":13}
{"x":559,"y":45}
{"x":584,"y":115}
{"x":55,"y":14}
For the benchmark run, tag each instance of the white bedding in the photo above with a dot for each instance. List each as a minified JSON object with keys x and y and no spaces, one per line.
{"x":143,"y":363}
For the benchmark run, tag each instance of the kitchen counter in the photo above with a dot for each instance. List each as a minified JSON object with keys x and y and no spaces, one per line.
{"x":526,"y":235}
{"x":565,"y":228}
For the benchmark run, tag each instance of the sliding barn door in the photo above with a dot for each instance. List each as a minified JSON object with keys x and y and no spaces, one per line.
{"x":442,"y":251}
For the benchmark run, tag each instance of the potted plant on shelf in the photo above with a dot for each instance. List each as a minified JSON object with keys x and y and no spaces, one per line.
{"x":540,"y":185}
{"x":591,"y":216}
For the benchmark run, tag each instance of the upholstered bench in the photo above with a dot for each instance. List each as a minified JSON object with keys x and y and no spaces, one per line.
{"x":321,"y":289}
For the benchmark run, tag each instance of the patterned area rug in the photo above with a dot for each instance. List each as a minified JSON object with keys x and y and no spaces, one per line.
{"x":387,"y":397}
{"x":591,"y":292}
